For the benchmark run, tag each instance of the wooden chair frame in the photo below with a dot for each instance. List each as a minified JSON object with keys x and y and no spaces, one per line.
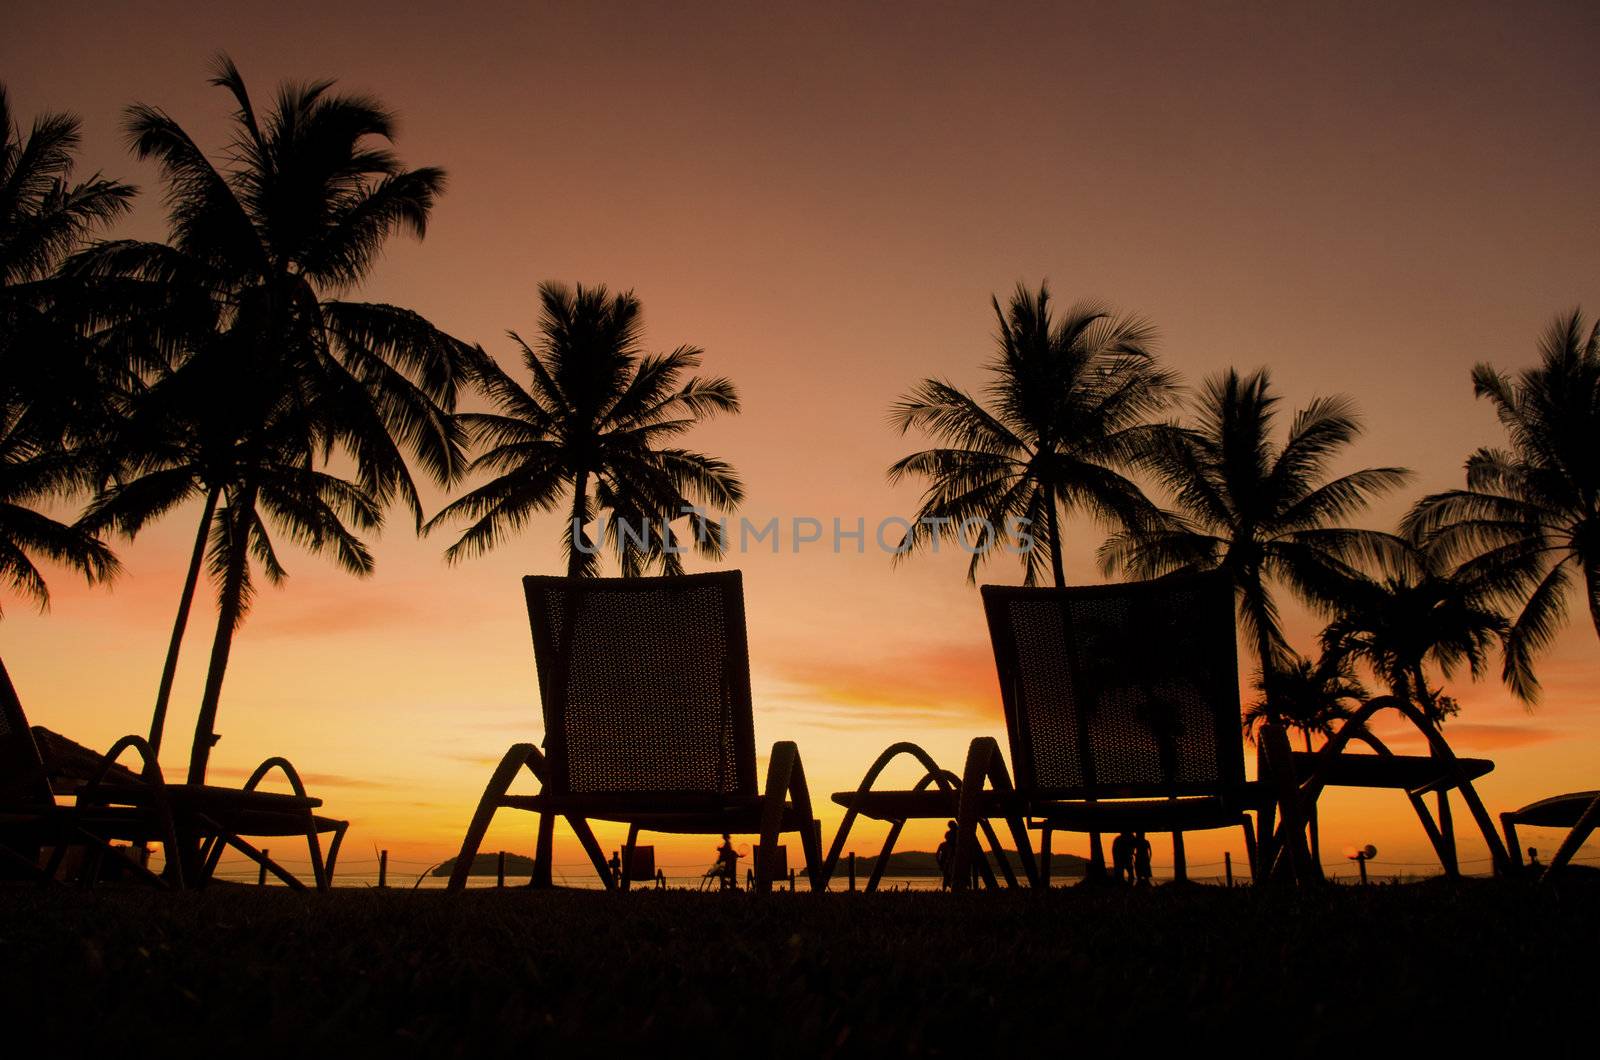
{"x":776,"y":814}
{"x":1285,"y":849}
{"x":949,"y":785}
{"x":1586,"y":818}
{"x":734,"y":804}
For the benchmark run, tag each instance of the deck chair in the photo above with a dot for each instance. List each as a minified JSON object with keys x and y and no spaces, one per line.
{"x":31,"y":820}
{"x":1300,"y":777}
{"x":1122,"y":709}
{"x":645,"y":686}
{"x":195,"y":822}
{"x":1578,"y":811}
{"x":936,"y":796}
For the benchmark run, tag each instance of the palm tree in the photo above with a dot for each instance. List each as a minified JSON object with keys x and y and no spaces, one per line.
{"x":1401,"y":624}
{"x":50,"y":395}
{"x":32,"y":475}
{"x":1263,"y":512}
{"x":1309,"y":695}
{"x":1528,"y":522}
{"x":297,"y":376}
{"x":591,"y":426}
{"x":1067,"y":412}
{"x":44,"y":217}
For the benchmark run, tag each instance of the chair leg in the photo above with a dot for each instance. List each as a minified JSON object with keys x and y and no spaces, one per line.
{"x":984,"y":762}
{"x":1575,"y":839}
{"x":998,"y":851}
{"x":1435,"y":836}
{"x":1274,"y":744}
{"x":522,"y":754}
{"x":1508,"y":821}
{"x":1044,"y":858}
{"x":591,"y":847}
{"x":1250,"y":852}
{"x":544,"y":852}
{"x":883,"y":857}
{"x":627,"y":853}
{"x":1180,"y":863}
{"x":333,"y":849}
{"x":786,"y":790}
{"x":1097,"y":857}
{"x":1480,"y":817}
{"x":319,"y":876}
{"x":1447,"y":831}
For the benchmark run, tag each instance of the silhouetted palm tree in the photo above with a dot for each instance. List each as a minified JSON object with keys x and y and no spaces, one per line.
{"x":1262,"y":512}
{"x":51,"y":395}
{"x":1066,"y":412}
{"x":1308,"y":696}
{"x":591,"y":426}
{"x":1528,"y":522}
{"x":32,"y":476}
{"x":1400,"y":624}
{"x":300,"y":212}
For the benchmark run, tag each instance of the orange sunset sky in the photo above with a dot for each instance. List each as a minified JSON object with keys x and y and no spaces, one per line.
{"x":1368,"y":198}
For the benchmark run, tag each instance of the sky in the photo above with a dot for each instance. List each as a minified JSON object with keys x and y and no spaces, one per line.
{"x":1366,"y":198}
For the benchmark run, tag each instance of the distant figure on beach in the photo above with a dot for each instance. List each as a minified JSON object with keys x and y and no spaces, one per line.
{"x":616,"y":867}
{"x":728,"y":862}
{"x":1122,"y":857}
{"x":944,"y":855}
{"x":1533,"y":856}
{"x":1141,"y":859}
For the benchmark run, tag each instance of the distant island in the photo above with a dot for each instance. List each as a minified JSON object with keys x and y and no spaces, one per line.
{"x":489,"y":865}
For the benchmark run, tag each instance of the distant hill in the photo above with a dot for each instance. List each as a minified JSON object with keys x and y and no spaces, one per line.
{"x":488,"y":865}
{"x":923,"y":863}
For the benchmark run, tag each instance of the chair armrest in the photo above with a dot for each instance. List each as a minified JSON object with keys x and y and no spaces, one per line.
{"x":282,"y":765}
{"x":150,"y":771}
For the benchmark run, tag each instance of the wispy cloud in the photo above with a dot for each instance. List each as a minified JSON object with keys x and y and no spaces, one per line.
{"x":311,"y":780}
{"x":941,"y":684}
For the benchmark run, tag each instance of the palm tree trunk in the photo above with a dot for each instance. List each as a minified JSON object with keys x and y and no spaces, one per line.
{"x":1056,"y":567}
{"x":228,"y":615}
{"x":580,"y":516}
{"x":1097,"y":851}
{"x":169,"y":670}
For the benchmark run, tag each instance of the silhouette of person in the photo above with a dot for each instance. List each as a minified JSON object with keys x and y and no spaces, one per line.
{"x":1122,"y":857}
{"x":1533,"y":856}
{"x":1141,"y":859}
{"x":728,"y":859}
{"x":945,"y":854}
{"x":616,"y":866}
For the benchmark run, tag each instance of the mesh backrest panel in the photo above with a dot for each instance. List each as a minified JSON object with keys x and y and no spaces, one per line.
{"x":645,"y":683}
{"x":1124,"y":686}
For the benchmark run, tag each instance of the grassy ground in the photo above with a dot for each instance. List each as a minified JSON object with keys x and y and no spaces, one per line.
{"x":241,"y":971}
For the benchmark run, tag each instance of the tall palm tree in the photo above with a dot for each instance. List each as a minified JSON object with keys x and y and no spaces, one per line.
{"x":297,"y":376}
{"x":1067,"y":412}
{"x":1264,"y":512}
{"x":51,"y":397}
{"x":590,"y":431}
{"x":1528,"y":523}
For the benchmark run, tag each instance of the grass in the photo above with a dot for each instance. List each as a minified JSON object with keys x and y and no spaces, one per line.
{"x":239,"y":970}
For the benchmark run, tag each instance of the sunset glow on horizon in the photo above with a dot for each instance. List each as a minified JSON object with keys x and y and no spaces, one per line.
{"x":1365,"y":201}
